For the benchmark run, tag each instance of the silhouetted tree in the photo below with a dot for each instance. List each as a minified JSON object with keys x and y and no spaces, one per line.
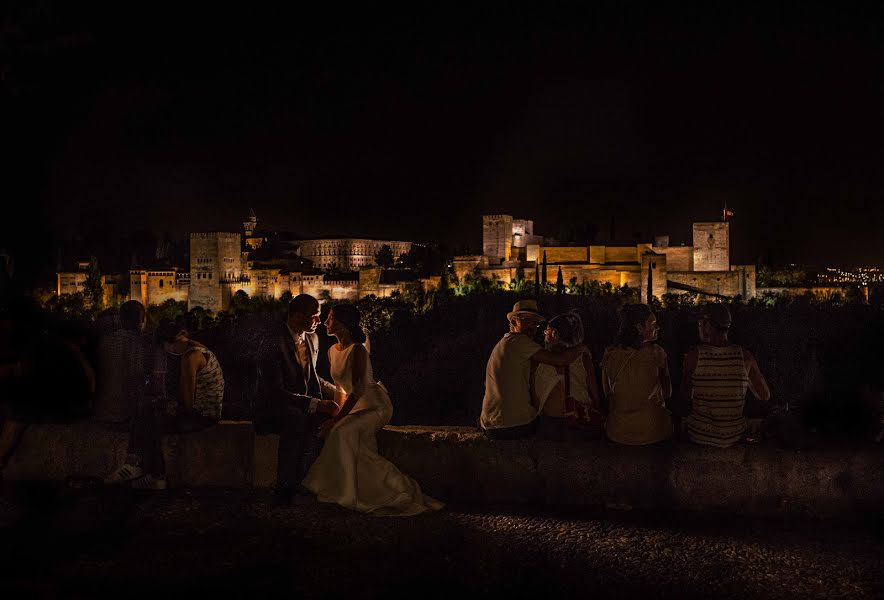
{"x":560,"y":283}
{"x":384,"y":257}
{"x":93,"y":289}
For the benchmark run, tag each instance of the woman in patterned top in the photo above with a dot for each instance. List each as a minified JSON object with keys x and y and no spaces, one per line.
{"x":717,"y":375}
{"x":194,"y":406}
{"x":201,"y":387}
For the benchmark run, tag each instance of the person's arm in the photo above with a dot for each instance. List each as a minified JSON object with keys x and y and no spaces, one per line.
{"x":757,"y":383}
{"x":559,"y":359}
{"x":687,"y":376}
{"x":532,"y":380}
{"x":664,"y":376}
{"x":327,"y":389}
{"x":606,"y":380}
{"x":192,"y":361}
{"x":360,"y":356}
{"x":592,"y":385}
{"x":271,"y":388}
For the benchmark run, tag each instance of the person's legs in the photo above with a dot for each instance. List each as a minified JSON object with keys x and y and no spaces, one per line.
{"x":144,"y":453}
{"x":292,"y":433}
{"x":312,"y":443}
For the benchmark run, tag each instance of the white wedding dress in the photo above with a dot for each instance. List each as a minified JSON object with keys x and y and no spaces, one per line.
{"x":349,"y":470}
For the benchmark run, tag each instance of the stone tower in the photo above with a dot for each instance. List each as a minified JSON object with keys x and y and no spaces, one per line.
{"x":250,"y":224}
{"x":712,"y":250}
{"x":215,"y":260}
{"x":497,"y":236}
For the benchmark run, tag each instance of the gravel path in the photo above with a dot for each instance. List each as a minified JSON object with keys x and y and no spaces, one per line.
{"x":86,"y":543}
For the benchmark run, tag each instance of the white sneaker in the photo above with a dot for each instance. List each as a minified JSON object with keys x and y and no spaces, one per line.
{"x":125,"y":473}
{"x":149,"y":483}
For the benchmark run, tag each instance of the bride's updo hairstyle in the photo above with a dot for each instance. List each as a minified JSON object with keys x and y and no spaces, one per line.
{"x":348,"y":315}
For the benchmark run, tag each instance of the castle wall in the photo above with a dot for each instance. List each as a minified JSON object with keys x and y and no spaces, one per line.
{"x":721,"y":283}
{"x":557,"y":254}
{"x":678,"y":258}
{"x":597,"y":255}
{"x":711,"y":246}
{"x":465,"y":265}
{"x":620,"y":254}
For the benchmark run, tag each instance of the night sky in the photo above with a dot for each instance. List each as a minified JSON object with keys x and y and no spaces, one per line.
{"x":412,"y":125}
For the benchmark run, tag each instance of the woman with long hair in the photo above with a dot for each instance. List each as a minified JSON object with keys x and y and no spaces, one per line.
{"x":636,"y":381}
{"x":349,"y":470}
{"x":553,"y":387}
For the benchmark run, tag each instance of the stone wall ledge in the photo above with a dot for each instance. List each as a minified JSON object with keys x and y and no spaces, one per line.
{"x":458,"y":464}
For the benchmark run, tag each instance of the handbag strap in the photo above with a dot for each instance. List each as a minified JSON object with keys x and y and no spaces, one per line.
{"x":622,"y":367}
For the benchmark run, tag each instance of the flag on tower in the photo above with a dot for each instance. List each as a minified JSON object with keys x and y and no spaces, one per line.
{"x":727,"y":213}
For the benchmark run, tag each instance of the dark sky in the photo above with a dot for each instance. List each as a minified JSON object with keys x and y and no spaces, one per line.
{"x":412,"y":125}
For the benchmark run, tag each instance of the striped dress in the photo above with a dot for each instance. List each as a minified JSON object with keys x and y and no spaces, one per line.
{"x":719,"y":386}
{"x":209,"y":386}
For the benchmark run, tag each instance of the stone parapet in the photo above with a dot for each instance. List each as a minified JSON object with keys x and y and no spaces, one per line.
{"x":460,"y":465}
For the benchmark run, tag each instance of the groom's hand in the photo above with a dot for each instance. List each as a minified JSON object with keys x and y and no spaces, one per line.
{"x":328,"y":407}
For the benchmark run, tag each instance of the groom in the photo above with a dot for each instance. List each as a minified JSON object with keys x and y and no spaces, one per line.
{"x":290,"y":395}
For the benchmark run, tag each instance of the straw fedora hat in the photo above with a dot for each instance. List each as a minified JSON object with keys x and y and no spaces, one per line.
{"x":524,"y":307}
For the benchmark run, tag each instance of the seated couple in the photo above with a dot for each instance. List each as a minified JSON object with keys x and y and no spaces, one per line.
{"x":327,"y":431}
{"x":531,"y":390}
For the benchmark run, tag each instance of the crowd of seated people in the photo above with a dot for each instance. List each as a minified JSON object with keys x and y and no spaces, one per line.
{"x":551,"y":392}
{"x":60,"y":371}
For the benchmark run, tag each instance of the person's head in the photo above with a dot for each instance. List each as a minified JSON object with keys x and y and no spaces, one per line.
{"x":171,"y":337}
{"x":564,"y":331}
{"x":525,"y":317}
{"x":133,"y":316}
{"x":637,"y":326}
{"x":303,"y":314}
{"x":714,"y":323}
{"x":344,"y":322}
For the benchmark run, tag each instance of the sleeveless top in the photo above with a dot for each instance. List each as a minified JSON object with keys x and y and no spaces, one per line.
{"x":547,"y":377}
{"x":209,"y":386}
{"x":719,"y":386}
{"x":372,"y":394}
{"x":637,"y":413}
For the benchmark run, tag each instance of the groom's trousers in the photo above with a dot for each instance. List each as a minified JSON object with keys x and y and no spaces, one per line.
{"x":299,"y":442}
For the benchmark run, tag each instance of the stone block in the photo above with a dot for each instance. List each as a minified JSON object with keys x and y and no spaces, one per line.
{"x":222,"y":455}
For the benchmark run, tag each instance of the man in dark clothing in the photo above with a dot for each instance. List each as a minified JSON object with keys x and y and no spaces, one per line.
{"x":292,"y":400}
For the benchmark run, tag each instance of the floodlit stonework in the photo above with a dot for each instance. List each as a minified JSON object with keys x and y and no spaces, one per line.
{"x":703,"y":268}
{"x":347,"y":254}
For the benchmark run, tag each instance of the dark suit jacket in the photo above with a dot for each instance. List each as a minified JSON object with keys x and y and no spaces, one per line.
{"x":281,"y":382}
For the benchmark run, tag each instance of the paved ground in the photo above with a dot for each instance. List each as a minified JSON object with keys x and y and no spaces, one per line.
{"x":96,"y":543}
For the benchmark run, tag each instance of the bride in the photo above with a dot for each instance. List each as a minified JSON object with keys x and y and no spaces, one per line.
{"x":349,"y":471}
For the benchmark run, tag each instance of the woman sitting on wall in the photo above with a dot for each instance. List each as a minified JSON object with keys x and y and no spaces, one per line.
{"x":636,"y":380}
{"x":560,"y":393}
{"x":185,"y":389}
